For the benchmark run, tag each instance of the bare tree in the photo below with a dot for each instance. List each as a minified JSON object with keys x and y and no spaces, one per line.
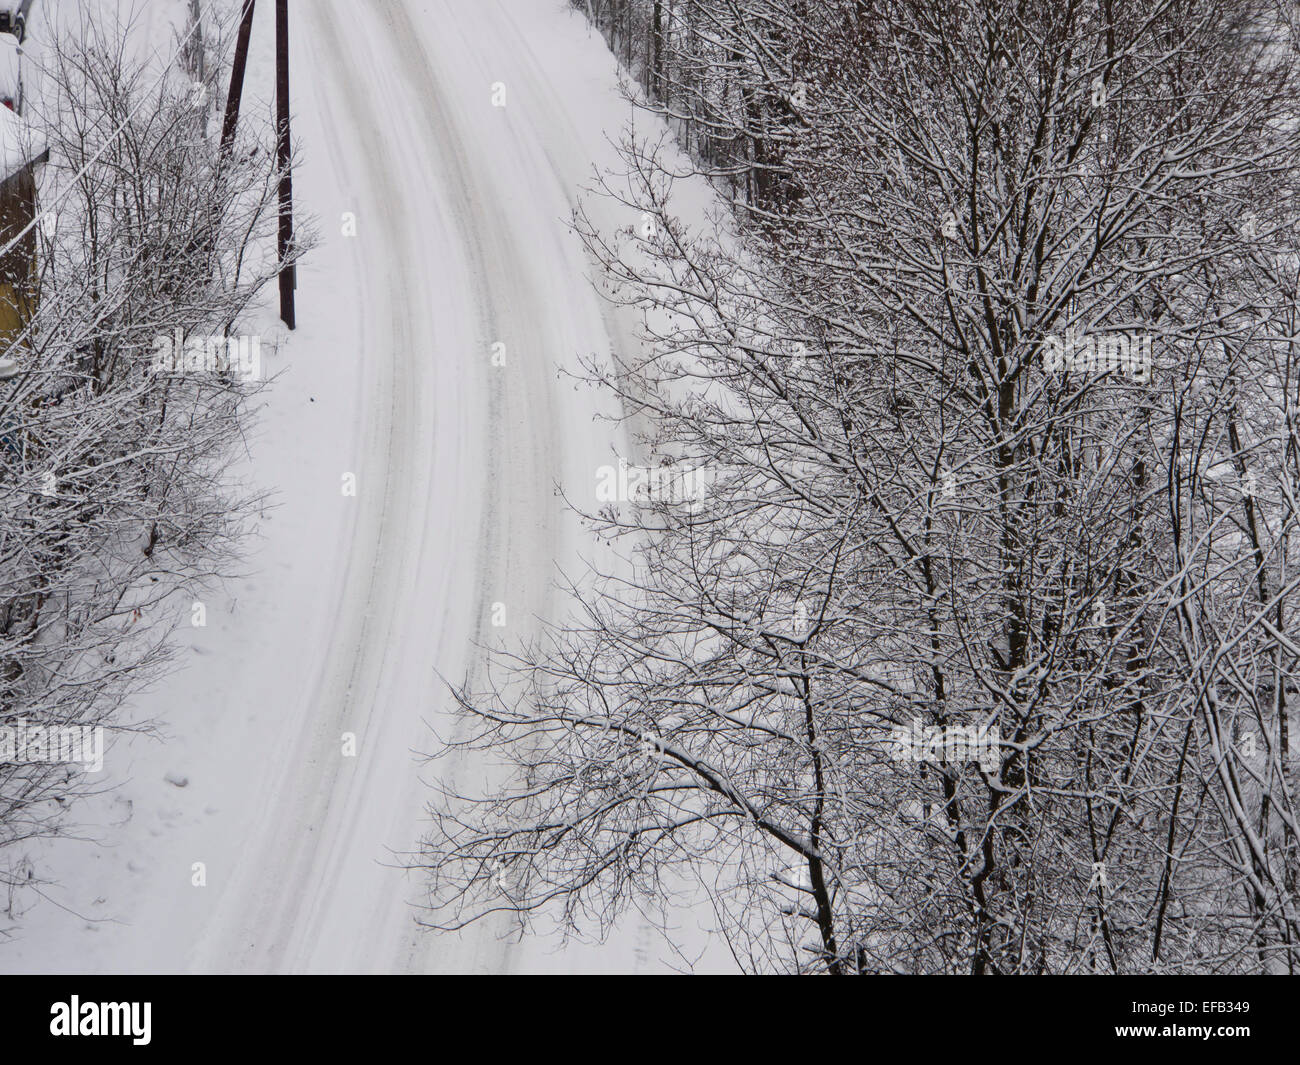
{"x":997,"y":379}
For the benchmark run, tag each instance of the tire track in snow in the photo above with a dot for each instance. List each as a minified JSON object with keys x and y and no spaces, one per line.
{"x":279,"y":880}
{"x":455,"y":507}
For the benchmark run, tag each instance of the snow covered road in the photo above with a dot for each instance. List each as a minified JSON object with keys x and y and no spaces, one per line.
{"x":361,"y":602}
{"x":455,"y":466}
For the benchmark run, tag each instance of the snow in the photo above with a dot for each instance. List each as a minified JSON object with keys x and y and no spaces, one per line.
{"x":19,"y":143}
{"x":10,"y":58}
{"x":355,"y":606}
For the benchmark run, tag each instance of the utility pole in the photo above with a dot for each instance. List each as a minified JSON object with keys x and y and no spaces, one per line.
{"x":657,"y":61}
{"x":231,"y":122}
{"x":288,"y":278}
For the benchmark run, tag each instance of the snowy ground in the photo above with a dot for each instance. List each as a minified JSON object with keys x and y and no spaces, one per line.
{"x":356,"y":604}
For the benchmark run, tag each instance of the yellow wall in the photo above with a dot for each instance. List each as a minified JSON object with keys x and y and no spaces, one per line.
{"x":18,"y":267}
{"x":13,"y":314}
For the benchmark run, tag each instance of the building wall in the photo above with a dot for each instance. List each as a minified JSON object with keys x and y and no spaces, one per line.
{"x":18,"y":265}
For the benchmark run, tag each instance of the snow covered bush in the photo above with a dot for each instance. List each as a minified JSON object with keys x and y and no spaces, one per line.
{"x":115,"y":498}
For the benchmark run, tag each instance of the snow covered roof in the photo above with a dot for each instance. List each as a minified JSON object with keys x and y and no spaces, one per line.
{"x":20,"y":144}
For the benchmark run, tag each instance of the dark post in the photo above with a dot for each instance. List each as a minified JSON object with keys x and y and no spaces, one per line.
{"x":288,"y":280}
{"x":237,"y":79}
{"x":657,"y":61}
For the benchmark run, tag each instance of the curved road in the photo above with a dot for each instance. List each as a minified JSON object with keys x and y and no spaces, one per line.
{"x":461,"y":243}
{"x":357,"y":605}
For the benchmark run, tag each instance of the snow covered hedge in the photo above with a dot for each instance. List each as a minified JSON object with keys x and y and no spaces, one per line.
{"x":115,"y":498}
